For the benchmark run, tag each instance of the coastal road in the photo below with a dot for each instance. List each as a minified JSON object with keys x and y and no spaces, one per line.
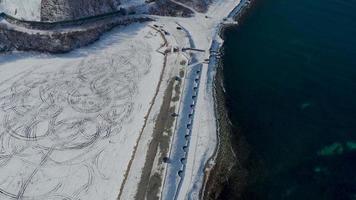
{"x":182,"y":134}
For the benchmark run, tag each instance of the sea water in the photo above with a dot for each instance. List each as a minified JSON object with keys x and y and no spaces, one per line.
{"x":290,"y":78}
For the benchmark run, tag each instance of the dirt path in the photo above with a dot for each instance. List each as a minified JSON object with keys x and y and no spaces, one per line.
{"x":185,"y":6}
{"x":148,"y":113}
{"x":149,"y":185}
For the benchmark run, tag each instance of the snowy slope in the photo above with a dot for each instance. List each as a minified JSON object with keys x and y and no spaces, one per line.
{"x":22,"y":9}
{"x":56,"y":10}
{"x":59,"y":10}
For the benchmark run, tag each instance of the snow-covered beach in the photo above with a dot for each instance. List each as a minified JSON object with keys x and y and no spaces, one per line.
{"x":105,"y":99}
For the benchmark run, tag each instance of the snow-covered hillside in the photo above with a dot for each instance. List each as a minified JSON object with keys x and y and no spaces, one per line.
{"x":58,"y":10}
{"x":22,"y":9}
{"x":61,"y":10}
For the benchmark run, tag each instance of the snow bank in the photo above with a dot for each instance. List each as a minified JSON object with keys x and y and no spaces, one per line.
{"x":22,"y":9}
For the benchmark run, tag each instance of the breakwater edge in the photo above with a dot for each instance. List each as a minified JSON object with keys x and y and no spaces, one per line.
{"x":228,"y":155}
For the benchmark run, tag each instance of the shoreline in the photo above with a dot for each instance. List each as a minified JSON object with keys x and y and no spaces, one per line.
{"x":224,"y":157}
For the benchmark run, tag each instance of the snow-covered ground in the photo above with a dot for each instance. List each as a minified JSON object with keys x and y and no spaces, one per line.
{"x":22,"y":9}
{"x":70,"y":122}
{"x":74,"y":124}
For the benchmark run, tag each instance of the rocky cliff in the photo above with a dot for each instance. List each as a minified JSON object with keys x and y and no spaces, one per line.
{"x":61,"y":39}
{"x":58,"y":10}
{"x":168,"y":8}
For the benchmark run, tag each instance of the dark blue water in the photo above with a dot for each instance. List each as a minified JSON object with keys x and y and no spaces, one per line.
{"x":290,"y":76}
